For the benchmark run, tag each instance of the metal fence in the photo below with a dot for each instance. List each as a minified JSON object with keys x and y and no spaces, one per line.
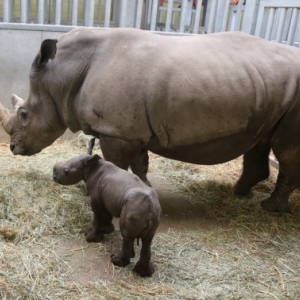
{"x":272,"y":19}
{"x":57,"y":12}
{"x":279,"y":21}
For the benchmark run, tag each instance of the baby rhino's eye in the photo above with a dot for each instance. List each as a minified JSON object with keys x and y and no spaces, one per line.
{"x":66,"y":171}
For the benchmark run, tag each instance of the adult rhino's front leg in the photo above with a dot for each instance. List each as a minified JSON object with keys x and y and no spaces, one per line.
{"x":140,"y":165}
{"x":125,"y":154}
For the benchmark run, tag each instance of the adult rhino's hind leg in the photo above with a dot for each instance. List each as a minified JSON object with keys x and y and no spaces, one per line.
{"x":279,"y":200}
{"x":255,"y":168}
{"x":286,"y":147}
{"x":288,"y":177}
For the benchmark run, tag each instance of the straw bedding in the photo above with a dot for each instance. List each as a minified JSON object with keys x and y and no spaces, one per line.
{"x":242,"y":253}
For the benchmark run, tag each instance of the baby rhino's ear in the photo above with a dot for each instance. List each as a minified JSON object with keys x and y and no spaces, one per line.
{"x":92,"y":160}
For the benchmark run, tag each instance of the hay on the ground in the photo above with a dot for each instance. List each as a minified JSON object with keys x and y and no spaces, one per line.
{"x":245,"y":253}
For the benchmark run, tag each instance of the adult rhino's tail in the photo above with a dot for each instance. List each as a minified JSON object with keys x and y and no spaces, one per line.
{"x":91,"y":146}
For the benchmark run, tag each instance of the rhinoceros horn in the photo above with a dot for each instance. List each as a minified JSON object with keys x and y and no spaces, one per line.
{"x":3,"y":113}
{"x":4,"y":117}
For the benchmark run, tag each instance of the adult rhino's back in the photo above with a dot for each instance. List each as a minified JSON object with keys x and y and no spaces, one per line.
{"x":202,"y":99}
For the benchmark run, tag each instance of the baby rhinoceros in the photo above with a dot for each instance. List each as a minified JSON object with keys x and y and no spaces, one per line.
{"x":116,"y":193}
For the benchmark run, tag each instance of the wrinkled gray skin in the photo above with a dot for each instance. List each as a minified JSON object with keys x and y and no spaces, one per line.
{"x":116,"y":193}
{"x":202,"y":99}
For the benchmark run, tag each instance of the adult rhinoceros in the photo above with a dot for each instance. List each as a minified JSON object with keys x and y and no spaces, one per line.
{"x":202,"y":99}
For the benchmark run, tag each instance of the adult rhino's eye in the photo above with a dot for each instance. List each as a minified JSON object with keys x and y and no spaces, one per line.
{"x":23,"y":114}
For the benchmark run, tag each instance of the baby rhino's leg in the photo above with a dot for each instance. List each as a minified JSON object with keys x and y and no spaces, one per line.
{"x":101,"y":224}
{"x":144,"y":267}
{"x":122,"y":257}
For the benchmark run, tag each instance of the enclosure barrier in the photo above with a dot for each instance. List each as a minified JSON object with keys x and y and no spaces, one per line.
{"x":279,"y":21}
{"x":276,"y":20}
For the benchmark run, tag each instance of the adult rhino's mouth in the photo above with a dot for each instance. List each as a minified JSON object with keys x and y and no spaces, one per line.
{"x":16,"y":149}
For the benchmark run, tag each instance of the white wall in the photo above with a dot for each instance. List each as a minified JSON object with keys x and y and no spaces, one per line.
{"x":17,"y":51}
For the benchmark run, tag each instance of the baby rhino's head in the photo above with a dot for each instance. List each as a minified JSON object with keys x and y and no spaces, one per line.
{"x":75,"y":169}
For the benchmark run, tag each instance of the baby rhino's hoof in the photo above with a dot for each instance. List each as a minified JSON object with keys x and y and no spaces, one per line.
{"x":117,"y":259}
{"x":91,"y":236}
{"x":276,"y":206}
{"x":144,"y":271}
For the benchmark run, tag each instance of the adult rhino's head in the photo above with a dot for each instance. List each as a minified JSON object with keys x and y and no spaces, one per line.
{"x":34,"y":123}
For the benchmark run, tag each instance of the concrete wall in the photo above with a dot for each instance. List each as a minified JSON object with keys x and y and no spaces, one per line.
{"x":17,"y":51}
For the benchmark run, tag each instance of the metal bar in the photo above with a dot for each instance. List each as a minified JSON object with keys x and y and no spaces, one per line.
{"x":74,"y":12}
{"x":169,"y":15}
{"x":259,"y":19}
{"x":269,"y":24}
{"x":89,"y":13}
{"x":41,"y":12}
{"x":98,"y":12}
{"x":6,"y":11}
{"x":153,"y":15}
{"x":238,"y":16}
{"x":197,"y":17}
{"x":58,"y":9}
{"x":123,"y":6}
{"x":211,"y":19}
{"x":280,"y":25}
{"x":13,"y":8}
{"x":107,"y":13}
{"x":138,"y":16}
{"x":66,"y":28}
{"x":249,"y":16}
{"x":24,"y":11}
{"x":281,"y":3}
{"x":293,"y":26}
{"x":183,"y":13}
{"x":225,"y":16}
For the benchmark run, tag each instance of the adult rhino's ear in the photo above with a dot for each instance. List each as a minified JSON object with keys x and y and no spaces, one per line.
{"x":16,"y":101}
{"x":92,"y":160}
{"x":47,"y":51}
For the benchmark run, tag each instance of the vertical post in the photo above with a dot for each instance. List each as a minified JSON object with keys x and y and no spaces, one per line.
{"x":41,"y":12}
{"x":6,"y":11}
{"x":138,"y":16}
{"x":24,"y":11}
{"x":259,"y":19}
{"x":280,"y":25}
{"x":294,"y":19}
{"x":169,"y":15}
{"x":250,"y":16}
{"x":107,"y":13}
{"x":58,"y":9}
{"x":89,"y":13}
{"x":153,"y":15}
{"x":211,"y":18}
{"x":222,"y":15}
{"x":269,"y":24}
{"x":74,"y":12}
{"x":122,"y":21}
{"x":197,"y":17}
{"x":183,"y":15}
{"x":238,"y":16}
